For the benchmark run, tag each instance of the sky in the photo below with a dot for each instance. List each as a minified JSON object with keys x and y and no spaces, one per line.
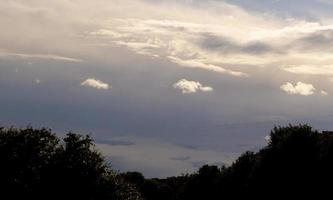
{"x":166,"y":86}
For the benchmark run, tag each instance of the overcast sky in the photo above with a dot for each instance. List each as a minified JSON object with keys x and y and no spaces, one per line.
{"x":165,"y":86}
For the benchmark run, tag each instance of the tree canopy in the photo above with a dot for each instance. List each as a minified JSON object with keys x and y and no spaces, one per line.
{"x":297,"y":161}
{"x":37,"y":164}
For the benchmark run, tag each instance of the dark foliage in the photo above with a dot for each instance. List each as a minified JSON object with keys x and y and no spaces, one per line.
{"x":36,"y":164}
{"x":297,"y":162}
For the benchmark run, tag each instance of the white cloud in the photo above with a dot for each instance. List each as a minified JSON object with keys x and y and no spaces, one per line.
{"x":92,"y":82}
{"x":299,"y":89}
{"x":323,"y":93}
{"x":191,"y":86}
{"x":202,"y":35}
{"x":201,"y":65}
{"x":311,"y":70}
{"x":218,"y":45}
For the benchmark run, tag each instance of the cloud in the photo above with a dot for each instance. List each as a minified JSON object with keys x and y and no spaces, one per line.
{"x":197,"y":35}
{"x":201,"y":65}
{"x":115,"y":142}
{"x":311,"y":70}
{"x":299,"y":89}
{"x":323,"y":93}
{"x":5,"y":54}
{"x":94,"y":83}
{"x":218,"y":45}
{"x":191,"y":86}
{"x":180,"y":158}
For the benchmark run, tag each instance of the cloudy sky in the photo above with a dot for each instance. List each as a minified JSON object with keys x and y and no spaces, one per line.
{"x":165,"y":86}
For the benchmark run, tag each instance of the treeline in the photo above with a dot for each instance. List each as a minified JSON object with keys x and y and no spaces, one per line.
{"x":297,"y":162}
{"x":35,"y":163}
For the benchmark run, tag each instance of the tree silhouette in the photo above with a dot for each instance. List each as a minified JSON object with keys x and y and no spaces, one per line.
{"x":36,"y":164}
{"x":298,"y":161}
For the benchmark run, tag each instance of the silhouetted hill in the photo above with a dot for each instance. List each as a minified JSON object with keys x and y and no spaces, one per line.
{"x":36,"y":164}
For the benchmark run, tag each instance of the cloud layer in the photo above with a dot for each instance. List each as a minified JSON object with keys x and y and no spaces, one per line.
{"x":295,"y":46}
{"x":199,"y":35}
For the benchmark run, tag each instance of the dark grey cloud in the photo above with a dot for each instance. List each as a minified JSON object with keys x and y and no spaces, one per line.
{"x":230,"y":46}
{"x":258,"y":48}
{"x":319,"y":40}
{"x":180,"y":158}
{"x":115,"y":142}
